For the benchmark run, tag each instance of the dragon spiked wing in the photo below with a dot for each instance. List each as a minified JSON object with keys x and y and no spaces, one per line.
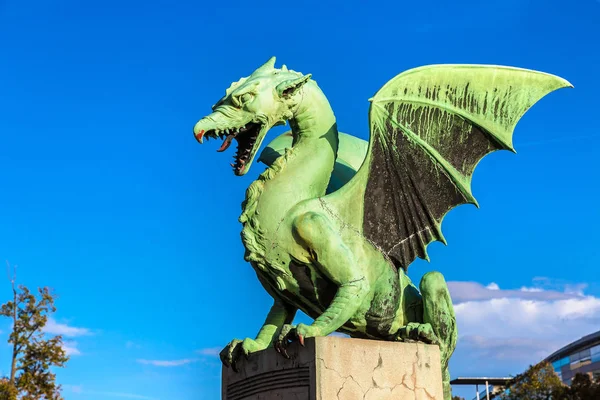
{"x":430,"y":127}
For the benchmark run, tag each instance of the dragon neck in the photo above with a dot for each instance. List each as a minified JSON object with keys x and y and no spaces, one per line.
{"x":302,"y":172}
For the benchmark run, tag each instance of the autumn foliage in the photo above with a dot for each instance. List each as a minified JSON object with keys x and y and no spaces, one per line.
{"x":34,"y":353}
{"x":540,"y":382}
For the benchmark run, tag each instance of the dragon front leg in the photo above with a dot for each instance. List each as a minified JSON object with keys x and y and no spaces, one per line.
{"x":330,"y":255}
{"x":279,"y":315}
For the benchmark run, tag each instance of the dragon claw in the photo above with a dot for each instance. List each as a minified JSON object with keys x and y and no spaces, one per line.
{"x":234,"y":351}
{"x":281,"y":349}
{"x":290,"y":334}
{"x":286,"y":336}
{"x":418,"y":332}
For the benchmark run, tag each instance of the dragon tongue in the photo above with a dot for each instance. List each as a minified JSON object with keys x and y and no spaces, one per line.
{"x":226,"y":143}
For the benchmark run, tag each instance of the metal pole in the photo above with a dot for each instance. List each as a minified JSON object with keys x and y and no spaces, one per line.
{"x":477,"y":390}
{"x":487,"y":390}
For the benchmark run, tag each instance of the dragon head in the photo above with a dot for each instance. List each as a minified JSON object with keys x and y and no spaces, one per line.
{"x":250,"y":107}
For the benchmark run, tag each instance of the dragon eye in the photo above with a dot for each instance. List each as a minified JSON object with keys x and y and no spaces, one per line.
{"x":246,"y":98}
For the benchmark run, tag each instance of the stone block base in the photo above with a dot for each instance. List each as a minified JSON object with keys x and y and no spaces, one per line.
{"x":334,"y":368}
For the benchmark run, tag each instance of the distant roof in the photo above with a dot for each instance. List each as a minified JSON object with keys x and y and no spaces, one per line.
{"x":479,"y":381}
{"x":573,"y":347}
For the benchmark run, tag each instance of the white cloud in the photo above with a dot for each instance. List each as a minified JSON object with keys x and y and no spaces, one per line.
{"x":70,"y":347}
{"x":507,"y":317}
{"x":210,"y":351}
{"x":132,"y":345}
{"x":472,"y":291}
{"x":504,"y":331}
{"x":167,"y":363}
{"x":576,"y":289}
{"x":520,"y":349}
{"x":56,"y":328}
{"x":123,"y":395}
{"x":78,"y":389}
{"x":531,"y":289}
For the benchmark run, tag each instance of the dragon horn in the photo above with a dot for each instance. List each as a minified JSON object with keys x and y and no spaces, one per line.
{"x":268,"y":66}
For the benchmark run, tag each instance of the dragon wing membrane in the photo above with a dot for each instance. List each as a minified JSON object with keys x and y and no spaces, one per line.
{"x":430,"y":126}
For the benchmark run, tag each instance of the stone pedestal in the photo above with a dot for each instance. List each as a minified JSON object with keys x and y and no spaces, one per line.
{"x":331,"y":368}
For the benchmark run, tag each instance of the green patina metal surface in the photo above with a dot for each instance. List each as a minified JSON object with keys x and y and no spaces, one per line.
{"x":331,"y":226}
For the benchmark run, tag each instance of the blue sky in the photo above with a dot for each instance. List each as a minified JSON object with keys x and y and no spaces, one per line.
{"x":107,"y":197}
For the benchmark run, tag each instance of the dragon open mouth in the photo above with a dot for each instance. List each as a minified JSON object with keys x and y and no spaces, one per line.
{"x":246,"y":137}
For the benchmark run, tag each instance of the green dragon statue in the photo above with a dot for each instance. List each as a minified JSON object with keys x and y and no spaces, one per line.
{"x":333,"y":223}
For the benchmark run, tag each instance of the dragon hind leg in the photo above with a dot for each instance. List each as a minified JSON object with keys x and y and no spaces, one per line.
{"x":432,"y":321}
{"x":438,"y":312}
